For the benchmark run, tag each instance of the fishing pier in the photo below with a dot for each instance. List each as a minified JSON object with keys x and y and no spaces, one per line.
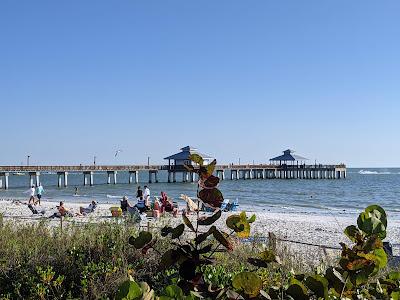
{"x":287,"y":166}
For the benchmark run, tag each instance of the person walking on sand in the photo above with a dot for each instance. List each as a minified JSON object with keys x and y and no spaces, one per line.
{"x":39,"y":192}
{"x":31,"y":193}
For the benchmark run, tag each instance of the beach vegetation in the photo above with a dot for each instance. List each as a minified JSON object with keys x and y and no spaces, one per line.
{"x":199,"y":258}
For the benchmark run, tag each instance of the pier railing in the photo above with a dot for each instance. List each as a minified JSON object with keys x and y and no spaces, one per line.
{"x":171,"y":168}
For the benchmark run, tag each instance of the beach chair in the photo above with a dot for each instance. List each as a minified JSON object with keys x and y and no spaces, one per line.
{"x":35,"y":211}
{"x":224,"y":204}
{"x":234,"y":205}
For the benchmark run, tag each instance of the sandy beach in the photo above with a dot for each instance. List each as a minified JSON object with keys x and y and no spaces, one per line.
{"x":305,"y":228}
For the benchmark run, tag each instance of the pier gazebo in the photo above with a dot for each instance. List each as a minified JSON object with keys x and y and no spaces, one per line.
{"x":177,"y":161}
{"x":288,"y":157}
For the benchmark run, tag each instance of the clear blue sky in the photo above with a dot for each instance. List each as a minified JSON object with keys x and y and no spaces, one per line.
{"x":235,"y":78}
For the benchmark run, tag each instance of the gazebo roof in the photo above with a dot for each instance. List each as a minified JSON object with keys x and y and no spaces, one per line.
{"x":186,"y":152}
{"x":288,"y":156}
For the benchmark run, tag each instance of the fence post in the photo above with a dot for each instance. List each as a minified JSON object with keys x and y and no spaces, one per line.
{"x":272,"y":241}
{"x":61,"y":223}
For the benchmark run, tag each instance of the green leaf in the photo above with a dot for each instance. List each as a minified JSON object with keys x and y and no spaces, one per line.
{"x":169,"y":258}
{"x":297,"y":290}
{"x":143,"y":239}
{"x":177,"y":231}
{"x":196,"y":159}
{"x":187,"y":222}
{"x":252,"y":219}
{"x":362,"y":276}
{"x":266,"y":257}
{"x":203,"y":236}
{"x":269,"y":256}
{"x":248,"y":282}
{"x":166,"y":230}
{"x":393,"y":275}
{"x":129,"y":290}
{"x":373,"y":221}
{"x":239,"y":224}
{"x":233,"y":221}
{"x":318,"y":285}
{"x":211,"y":167}
{"x":395,"y":295}
{"x":352,"y":232}
{"x":380,"y":258}
{"x":173,"y":291}
{"x":210,"y":220}
{"x":224,"y":240}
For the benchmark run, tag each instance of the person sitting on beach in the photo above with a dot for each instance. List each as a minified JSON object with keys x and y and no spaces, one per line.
{"x":141,"y":205}
{"x":125,"y":205}
{"x":62,"y":212}
{"x":36,"y":210}
{"x":166,"y":204}
{"x":91,"y":208}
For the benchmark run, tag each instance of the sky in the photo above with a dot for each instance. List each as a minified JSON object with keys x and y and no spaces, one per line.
{"x":236,"y":79}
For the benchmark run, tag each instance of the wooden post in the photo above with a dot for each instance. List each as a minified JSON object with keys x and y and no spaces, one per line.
{"x":272,"y":241}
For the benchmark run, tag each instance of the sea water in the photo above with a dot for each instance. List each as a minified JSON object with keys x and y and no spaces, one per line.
{"x":361,"y":188}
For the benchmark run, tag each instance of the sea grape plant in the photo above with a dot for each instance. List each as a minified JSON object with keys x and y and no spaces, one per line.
{"x":191,"y":256}
{"x":352,"y":279}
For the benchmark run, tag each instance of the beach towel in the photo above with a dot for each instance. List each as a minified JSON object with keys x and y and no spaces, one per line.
{"x":190,"y":203}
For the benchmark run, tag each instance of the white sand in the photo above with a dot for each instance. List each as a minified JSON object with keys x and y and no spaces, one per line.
{"x":310,"y":228}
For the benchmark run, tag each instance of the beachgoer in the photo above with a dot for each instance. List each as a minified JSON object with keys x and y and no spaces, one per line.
{"x":62,"y":209}
{"x":62,"y":212}
{"x":39,"y":192}
{"x":76,"y":191}
{"x":84,"y":211}
{"x":146,"y":196}
{"x":139,"y":192}
{"x":166,"y":204}
{"x":125,"y":205}
{"x":36,"y":209}
{"x":31,"y":193}
{"x":141,"y":205}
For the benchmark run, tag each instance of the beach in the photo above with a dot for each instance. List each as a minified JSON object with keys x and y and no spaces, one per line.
{"x":297,"y":230}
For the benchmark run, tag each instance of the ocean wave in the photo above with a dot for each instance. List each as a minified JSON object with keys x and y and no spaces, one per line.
{"x":366,"y":172}
{"x":113,"y":197}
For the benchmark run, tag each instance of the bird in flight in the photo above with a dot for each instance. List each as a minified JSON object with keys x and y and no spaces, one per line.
{"x":117,"y":152}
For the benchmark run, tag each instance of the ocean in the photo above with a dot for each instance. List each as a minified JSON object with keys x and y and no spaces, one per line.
{"x":361,"y":188}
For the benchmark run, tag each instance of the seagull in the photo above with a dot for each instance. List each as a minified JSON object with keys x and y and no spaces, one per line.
{"x":116,"y":152}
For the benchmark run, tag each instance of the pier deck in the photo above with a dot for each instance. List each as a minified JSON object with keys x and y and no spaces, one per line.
{"x":260,"y":171}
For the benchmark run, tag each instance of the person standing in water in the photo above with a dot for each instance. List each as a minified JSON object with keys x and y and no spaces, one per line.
{"x":76,"y":191}
{"x":39,"y":192}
